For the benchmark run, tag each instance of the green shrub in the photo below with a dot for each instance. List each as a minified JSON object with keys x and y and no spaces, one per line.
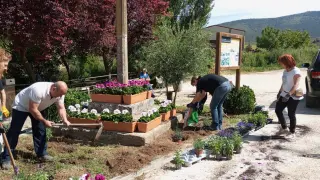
{"x":258,"y":119}
{"x":240,"y":101}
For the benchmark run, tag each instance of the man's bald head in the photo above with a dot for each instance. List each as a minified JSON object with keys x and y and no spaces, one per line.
{"x":59,"y":89}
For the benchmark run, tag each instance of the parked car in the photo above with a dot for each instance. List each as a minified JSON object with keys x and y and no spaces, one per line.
{"x":313,"y":81}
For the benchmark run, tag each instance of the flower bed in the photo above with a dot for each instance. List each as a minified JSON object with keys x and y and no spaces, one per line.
{"x":165,"y":110}
{"x":149,"y":120}
{"x":114,"y":92}
{"x":118,"y":121}
{"x":75,"y":116}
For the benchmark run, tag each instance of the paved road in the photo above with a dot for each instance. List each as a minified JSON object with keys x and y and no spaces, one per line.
{"x":263,"y":156}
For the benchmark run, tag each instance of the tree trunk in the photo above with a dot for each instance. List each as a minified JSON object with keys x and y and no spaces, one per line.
{"x":27,"y":66}
{"x":65,"y":63}
{"x":175,"y":89}
{"x":107,"y":60}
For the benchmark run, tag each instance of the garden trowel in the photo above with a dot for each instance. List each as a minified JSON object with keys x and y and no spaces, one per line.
{"x":100,"y":125}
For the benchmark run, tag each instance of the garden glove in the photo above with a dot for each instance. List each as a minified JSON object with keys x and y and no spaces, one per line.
{"x":286,"y":98}
{"x":5,"y":111}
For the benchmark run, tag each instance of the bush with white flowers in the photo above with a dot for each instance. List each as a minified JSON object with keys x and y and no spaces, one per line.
{"x":116,"y":116}
{"x":149,"y":116}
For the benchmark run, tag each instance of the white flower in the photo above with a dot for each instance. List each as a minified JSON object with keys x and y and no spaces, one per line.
{"x":94,"y":111}
{"x":144,"y":114}
{"x":169,"y":101}
{"x":154,"y":110}
{"x":84,"y":110}
{"x":125,"y":111}
{"x":163,"y":105}
{"x":86,"y":103}
{"x":106,"y":110}
{"x":117,"y":111}
{"x":83,"y":177}
{"x":77,"y":106}
{"x":71,"y":107}
{"x":150,"y":113}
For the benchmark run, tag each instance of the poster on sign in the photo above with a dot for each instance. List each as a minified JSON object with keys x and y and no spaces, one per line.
{"x":230,"y":48}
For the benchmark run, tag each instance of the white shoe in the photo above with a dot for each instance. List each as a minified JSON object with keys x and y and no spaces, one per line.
{"x":291,"y":136}
{"x":284,"y":131}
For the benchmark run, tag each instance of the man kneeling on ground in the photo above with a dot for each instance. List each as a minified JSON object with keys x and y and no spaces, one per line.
{"x":32,"y":101}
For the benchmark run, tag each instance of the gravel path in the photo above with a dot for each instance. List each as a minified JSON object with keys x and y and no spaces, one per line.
{"x":265,"y":155}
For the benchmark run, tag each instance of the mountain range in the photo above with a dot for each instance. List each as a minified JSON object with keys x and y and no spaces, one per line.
{"x":308,"y":21}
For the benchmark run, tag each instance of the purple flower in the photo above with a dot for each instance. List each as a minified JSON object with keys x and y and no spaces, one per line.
{"x":99,"y":177}
{"x":226,"y":133}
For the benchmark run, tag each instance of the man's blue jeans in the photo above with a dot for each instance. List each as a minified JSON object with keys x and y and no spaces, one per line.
{"x":38,"y":131}
{"x":216,"y":105}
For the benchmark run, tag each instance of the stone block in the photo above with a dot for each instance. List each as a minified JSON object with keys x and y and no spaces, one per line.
{"x":108,"y":137}
{"x":135,"y":109}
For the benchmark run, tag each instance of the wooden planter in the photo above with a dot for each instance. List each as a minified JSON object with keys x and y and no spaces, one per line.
{"x":132,"y":99}
{"x":120,"y":127}
{"x":149,"y":93}
{"x":173,"y":112}
{"x":145,"y":127}
{"x":106,"y":98}
{"x":165,"y":116}
{"x":83,"y":121}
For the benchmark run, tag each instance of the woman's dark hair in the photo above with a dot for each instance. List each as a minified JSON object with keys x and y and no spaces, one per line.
{"x":194,"y":78}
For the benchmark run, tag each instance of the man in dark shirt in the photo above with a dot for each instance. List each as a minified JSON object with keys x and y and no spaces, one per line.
{"x":218,"y":87}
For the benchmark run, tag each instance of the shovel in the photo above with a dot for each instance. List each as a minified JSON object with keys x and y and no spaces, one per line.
{"x":91,"y":124}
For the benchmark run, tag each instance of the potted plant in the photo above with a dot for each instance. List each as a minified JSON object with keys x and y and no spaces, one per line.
{"x":149,"y":120}
{"x":135,"y":92}
{"x":118,"y":121}
{"x":108,"y":92}
{"x":165,"y":110}
{"x":215,"y":145}
{"x":178,"y":160}
{"x":198,"y":146}
{"x":229,"y":149}
{"x":177,"y":137}
{"x":244,"y":127}
{"x":76,"y":116}
{"x":237,"y":142}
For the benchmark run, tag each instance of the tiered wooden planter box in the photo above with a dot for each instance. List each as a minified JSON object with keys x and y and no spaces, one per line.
{"x":120,"y":126}
{"x":165,"y":116}
{"x":121,"y":99}
{"x":83,"y":121}
{"x":132,"y":99}
{"x":145,"y":127}
{"x":106,"y":98}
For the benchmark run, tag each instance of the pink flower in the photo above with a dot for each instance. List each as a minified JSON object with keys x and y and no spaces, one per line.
{"x":99,"y":177}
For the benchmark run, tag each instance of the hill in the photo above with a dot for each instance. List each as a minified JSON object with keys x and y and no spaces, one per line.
{"x":308,"y":21}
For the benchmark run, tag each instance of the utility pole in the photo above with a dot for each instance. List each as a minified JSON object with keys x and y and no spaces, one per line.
{"x":122,"y":42}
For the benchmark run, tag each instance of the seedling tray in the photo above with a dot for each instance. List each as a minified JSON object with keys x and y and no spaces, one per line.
{"x":190,"y":157}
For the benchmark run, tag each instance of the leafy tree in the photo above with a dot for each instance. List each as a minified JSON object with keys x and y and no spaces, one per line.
{"x":272,"y":38}
{"x":176,"y":55}
{"x":186,"y":12}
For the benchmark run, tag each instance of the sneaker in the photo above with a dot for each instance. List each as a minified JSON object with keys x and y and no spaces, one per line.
{"x":284,"y":131}
{"x":46,"y":158}
{"x":291,"y":136}
{"x":6,"y":165}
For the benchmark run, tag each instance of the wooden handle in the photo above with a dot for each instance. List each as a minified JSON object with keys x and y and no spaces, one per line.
{"x":91,"y":124}
{"x":9,"y":150}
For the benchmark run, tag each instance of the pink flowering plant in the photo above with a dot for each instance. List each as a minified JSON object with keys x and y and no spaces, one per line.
{"x":115,"y":88}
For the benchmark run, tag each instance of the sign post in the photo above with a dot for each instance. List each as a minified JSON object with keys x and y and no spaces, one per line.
{"x":229,"y":54}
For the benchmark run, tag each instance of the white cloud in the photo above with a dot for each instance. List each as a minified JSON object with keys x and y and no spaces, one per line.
{"x":229,"y":10}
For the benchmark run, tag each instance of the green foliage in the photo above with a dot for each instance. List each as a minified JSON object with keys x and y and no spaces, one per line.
{"x":165,"y":109}
{"x":39,"y":175}
{"x":146,"y":119}
{"x":178,"y":134}
{"x":198,"y":144}
{"x":52,"y":113}
{"x":177,"y":158}
{"x":272,"y":38}
{"x":228,"y":147}
{"x":240,"y":101}
{"x":258,"y":119}
{"x":175,"y":56}
{"x":116,"y":117}
{"x":265,"y":59}
{"x":237,"y":140}
{"x":83,"y":115}
{"x":185,"y":13}
{"x":215,"y":144}
{"x":75,"y":97}
{"x":49,"y":134}
{"x":134,"y":90}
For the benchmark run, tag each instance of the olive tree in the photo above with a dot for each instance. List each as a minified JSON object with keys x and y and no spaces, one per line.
{"x":175,"y":55}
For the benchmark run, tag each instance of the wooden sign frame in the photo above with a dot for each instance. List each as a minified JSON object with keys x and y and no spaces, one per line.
{"x":219,"y":42}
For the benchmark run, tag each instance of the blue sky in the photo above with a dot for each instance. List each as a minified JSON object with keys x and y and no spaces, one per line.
{"x":230,"y":10}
